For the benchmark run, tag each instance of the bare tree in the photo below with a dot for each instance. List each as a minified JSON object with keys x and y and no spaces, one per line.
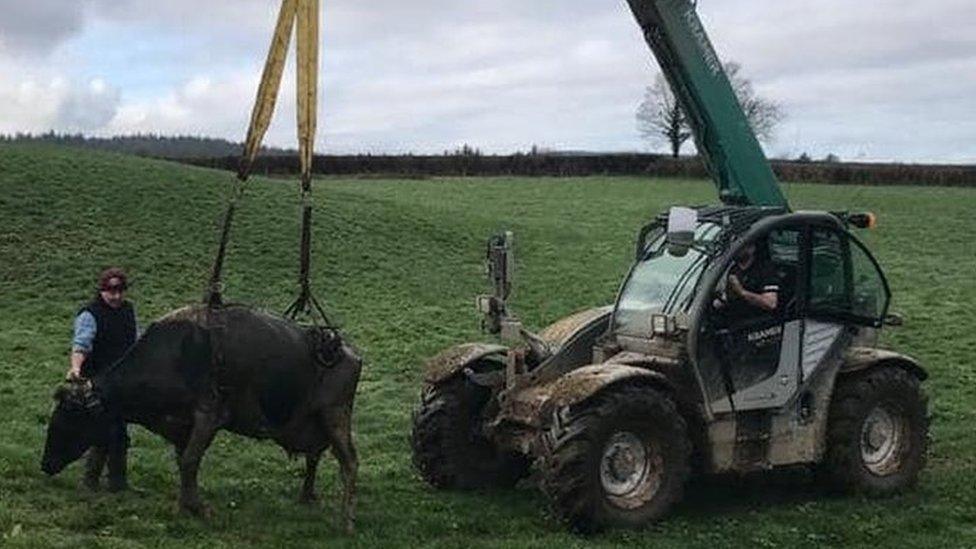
{"x":660,"y":117}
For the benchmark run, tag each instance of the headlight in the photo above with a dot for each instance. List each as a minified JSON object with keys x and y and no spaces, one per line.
{"x":660,"y":324}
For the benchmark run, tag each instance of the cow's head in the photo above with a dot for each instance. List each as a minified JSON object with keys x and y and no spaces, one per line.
{"x":78,"y":423}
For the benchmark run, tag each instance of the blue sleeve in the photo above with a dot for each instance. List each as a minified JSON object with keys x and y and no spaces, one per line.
{"x":85,"y":328}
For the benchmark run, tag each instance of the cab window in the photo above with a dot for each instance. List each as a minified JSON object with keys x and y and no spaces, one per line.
{"x":829,"y":286}
{"x":771,"y":264}
{"x":845,"y":281}
{"x":784,"y":254}
{"x":871,"y":294}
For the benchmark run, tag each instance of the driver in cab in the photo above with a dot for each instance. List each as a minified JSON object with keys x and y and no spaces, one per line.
{"x":749,"y":306}
{"x":752,"y":288}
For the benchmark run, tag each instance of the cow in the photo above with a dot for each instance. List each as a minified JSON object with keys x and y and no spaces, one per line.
{"x":199,"y":370}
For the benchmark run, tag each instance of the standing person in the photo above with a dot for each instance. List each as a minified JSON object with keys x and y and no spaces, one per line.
{"x":104,"y":329}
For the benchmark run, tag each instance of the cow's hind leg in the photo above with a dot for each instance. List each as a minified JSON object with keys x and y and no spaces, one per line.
{"x":340,"y":434}
{"x":206,"y":423}
{"x":307,"y":495}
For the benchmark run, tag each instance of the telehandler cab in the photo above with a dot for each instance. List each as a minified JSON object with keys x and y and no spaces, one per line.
{"x":616,"y":406}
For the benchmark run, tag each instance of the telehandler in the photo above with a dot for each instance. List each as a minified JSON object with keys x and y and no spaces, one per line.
{"x":743,"y":339}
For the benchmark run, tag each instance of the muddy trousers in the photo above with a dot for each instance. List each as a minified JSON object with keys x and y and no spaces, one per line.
{"x":112,"y":457}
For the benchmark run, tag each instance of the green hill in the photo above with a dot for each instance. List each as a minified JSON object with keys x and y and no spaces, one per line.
{"x":398,"y":262}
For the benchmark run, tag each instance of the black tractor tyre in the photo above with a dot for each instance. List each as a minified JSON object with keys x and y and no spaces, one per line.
{"x":877,"y":432}
{"x":449,"y":449}
{"x":620,"y":459}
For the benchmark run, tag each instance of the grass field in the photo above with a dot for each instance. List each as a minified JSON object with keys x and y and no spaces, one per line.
{"x":399,"y":263}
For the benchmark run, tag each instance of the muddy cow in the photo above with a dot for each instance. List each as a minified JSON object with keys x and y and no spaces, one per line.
{"x":196,"y":371}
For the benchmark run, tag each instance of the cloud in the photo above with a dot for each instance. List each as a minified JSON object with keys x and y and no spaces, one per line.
{"x":424,"y":87}
{"x":201,"y":106}
{"x":243,"y":15}
{"x":39,"y":99}
{"x":38,"y":27}
{"x":88,"y":108}
{"x":873,"y":80}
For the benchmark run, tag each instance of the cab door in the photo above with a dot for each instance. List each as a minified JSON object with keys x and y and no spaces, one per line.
{"x":751,"y":363}
{"x":760,"y":399}
{"x":845,"y":287}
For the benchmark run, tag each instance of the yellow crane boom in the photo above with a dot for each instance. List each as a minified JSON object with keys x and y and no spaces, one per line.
{"x":299,"y":17}
{"x":306,"y":14}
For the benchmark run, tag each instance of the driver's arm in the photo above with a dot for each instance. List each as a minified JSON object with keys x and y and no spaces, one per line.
{"x":766,"y":300}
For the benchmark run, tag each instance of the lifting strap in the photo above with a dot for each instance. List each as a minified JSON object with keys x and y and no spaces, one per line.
{"x":303,"y":14}
{"x":308,"y":71}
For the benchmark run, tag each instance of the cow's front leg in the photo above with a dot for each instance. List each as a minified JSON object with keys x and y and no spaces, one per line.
{"x":206,"y":423}
{"x":307,"y":495}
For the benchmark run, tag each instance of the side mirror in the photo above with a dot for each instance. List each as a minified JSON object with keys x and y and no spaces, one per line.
{"x":682,"y":223}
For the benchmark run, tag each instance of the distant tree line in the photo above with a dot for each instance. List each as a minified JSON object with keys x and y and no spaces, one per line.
{"x":468,"y":160}
{"x":161,"y":146}
{"x":586,"y":164}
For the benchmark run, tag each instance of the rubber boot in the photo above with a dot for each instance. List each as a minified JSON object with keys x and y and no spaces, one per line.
{"x":94,"y":464}
{"x":117,"y":472}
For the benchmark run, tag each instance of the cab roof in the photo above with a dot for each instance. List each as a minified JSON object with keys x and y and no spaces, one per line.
{"x":733,"y":219}
{"x":736,"y":221}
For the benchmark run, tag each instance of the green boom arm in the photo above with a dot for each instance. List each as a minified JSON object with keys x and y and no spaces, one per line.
{"x":722,"y":132}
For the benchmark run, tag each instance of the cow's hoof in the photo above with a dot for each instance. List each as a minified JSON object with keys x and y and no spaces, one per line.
{"x":348,"y":525}
{"x":308,"y":498}
{"x":90,"y":485}
{"x":196,"y":509}
{"x":116,"y":486}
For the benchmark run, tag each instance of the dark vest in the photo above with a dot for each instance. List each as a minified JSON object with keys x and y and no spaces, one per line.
{"x":759,"y":278}
{"x":115,"y":333}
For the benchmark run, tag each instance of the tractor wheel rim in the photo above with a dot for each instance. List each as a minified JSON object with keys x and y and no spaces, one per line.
{"x":630,"y":470}
{"x":882,"y":441}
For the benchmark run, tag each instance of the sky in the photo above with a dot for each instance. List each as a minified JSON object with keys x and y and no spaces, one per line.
{"x":877,"y":80}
